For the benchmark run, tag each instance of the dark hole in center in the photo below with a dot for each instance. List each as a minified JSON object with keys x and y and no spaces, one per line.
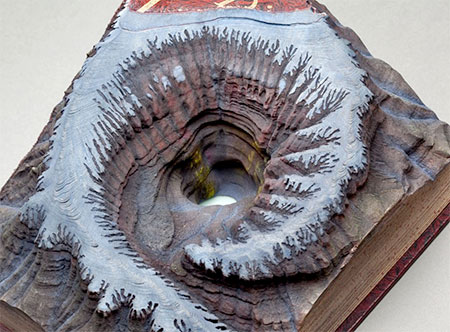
{"x":225,"y":178}
{"x":229,"y":178}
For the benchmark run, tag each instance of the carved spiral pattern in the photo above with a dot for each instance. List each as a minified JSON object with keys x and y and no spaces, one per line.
{"x":134,"y":106}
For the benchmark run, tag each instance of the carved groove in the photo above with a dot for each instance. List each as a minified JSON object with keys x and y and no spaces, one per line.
{"x":162,"y":118}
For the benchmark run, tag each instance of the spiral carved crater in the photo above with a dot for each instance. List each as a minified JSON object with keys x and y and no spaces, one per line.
{"x":241,"y":126}
{"x":228,"y":105}
{"x":104,"y":225}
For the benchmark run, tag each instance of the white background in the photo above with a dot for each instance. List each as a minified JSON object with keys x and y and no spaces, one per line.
{"x":44,"y":43}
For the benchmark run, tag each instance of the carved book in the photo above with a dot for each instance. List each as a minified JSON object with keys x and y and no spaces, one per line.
{"x":332,"y":165}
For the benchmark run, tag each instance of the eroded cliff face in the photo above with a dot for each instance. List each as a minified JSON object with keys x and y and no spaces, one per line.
{"x":283,"y":108}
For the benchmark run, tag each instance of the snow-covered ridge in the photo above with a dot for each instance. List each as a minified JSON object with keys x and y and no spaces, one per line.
{"x":70,"y":190}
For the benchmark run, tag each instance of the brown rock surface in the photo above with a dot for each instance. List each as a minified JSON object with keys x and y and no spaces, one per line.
{"x":189,"y":138}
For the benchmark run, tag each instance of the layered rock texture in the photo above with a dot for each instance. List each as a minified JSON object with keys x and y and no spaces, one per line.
{"x":271,"y":102}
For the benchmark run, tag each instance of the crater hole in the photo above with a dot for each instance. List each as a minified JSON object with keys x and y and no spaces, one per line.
{"x":226,"y":183}
{"x":222,"y":166}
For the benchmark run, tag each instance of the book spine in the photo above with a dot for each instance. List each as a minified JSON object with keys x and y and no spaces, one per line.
{"x":395,"y":273}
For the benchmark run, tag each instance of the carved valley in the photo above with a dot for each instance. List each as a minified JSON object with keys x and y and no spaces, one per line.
{"x":276,"y":106}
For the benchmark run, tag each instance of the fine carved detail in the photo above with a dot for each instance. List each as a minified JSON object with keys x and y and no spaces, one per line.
{"x":166,"y":112}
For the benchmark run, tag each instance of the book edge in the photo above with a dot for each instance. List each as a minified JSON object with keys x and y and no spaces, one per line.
{"x":377,"y":294}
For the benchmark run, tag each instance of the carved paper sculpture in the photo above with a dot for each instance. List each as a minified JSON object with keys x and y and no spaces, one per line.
{"x":271,"y":102}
